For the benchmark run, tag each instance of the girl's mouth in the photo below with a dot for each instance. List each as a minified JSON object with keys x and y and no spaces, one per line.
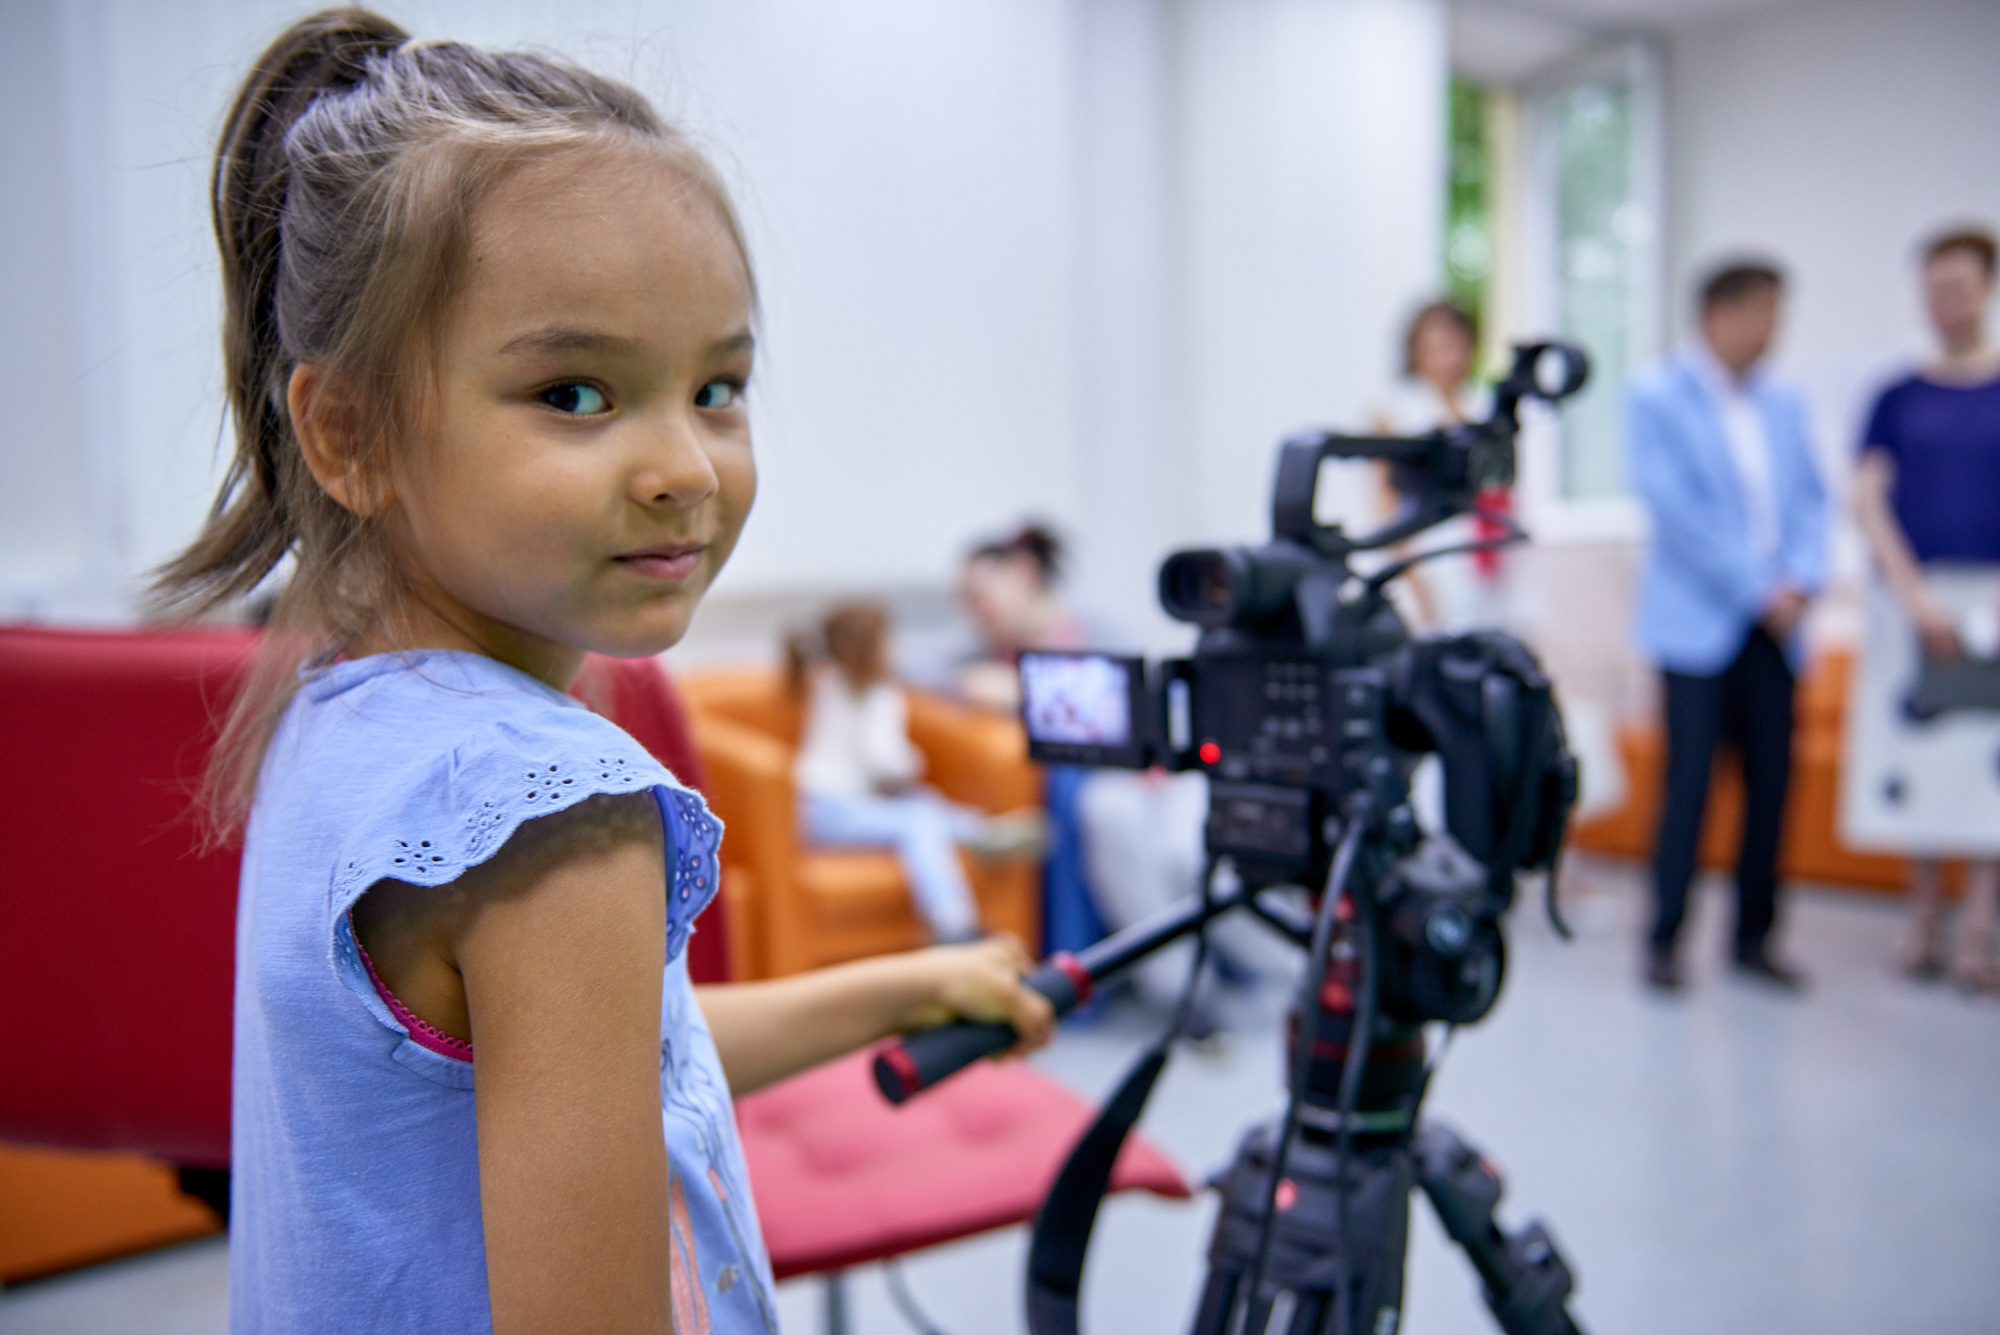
{"x":671,"y":563}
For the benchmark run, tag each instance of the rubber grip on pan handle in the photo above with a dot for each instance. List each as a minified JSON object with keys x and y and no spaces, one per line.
{"x":908,"y":1065}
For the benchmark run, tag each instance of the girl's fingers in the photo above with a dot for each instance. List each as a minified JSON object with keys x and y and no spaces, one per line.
{"x":984,"y":982}
{"x":1032,"y":1017}
{"x":1011,"y":951}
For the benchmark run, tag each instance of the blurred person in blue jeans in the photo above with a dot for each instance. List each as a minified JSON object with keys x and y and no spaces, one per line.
{"x":1927,"y":499}
{"x":1720,"y":456}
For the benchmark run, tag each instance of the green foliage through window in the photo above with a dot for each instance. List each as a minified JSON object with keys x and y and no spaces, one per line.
{"x":1598,"y":227}
{"x":1468,"y":231}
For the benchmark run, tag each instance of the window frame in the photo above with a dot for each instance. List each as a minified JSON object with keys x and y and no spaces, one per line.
{"x":1554,"y":516}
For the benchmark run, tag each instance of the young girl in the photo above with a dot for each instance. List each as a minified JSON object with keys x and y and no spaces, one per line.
{"x":857,"y":776}
{"x":488,"y":332}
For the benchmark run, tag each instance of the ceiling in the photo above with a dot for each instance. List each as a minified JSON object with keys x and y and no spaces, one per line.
{"x":1506,"y":41}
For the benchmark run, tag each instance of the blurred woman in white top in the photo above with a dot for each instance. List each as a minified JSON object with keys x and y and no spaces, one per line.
{"x":857,"y":775}
{"x":1437,"y":389}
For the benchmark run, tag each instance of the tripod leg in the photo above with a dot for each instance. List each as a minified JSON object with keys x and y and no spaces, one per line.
{"x":836,"y":1303}
{"x":1218,"y":1296}
{"x":1527,"y":1281}
{"x":1309,"y":1317}
{"x":1257,"y":1313}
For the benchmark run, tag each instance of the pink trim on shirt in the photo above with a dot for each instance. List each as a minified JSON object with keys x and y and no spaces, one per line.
{"x":424,"y":1035}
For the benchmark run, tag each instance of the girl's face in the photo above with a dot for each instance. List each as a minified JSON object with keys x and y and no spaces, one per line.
{"x":584,"y":468}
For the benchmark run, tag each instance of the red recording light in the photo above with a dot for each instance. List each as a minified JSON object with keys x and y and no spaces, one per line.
{"x":1210,"y":753}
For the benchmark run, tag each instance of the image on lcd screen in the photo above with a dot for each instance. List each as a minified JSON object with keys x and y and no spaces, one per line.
{"x":1077,"y":699}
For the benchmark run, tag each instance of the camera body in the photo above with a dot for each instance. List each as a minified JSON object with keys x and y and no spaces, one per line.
{"x":1306,"y":689}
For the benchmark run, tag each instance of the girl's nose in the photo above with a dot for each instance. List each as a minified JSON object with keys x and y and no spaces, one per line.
{"x":675,"y":470}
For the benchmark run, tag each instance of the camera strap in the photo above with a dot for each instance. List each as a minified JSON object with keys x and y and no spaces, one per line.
{"x":1526,"y":741}
{"x":1067,"y":1216}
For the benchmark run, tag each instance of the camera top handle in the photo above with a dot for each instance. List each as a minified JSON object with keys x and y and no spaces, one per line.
{"x":1439,"y":473}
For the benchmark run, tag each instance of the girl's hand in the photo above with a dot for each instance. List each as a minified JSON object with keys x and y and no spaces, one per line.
{"x":981,"y":981}
{"x":777,"y":1027}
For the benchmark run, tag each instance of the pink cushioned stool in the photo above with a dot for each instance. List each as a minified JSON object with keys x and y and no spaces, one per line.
{"x":843,"y":1178}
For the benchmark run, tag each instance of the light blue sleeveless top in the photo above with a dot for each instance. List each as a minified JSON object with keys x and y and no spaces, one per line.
{"x":355,"y":1190}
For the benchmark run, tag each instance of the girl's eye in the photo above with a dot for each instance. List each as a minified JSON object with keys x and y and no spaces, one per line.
{"x":576,"y":399}
{"x":718,"y":394}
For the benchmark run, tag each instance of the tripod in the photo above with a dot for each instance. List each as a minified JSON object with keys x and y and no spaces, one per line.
{"x":1313,"y":1231}
{"x":1526,"y":1280}
{"x":1307,"y":704}
{"x":1314,"y":1226}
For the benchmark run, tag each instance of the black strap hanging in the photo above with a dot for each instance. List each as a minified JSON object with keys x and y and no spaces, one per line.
{"x":1063,"y":1226}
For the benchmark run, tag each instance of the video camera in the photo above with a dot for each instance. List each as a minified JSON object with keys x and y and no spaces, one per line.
{"x":1305,"y":689}
{"x":1309,"y":707}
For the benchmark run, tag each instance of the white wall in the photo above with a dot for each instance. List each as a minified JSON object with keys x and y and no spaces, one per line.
{"x":903,"y":169}
{"x":1836,"y":139}
{"x":1262,"y":208}
{"x":1314,"y":163}
{"x":44,"y":519}
{"x":1085,"y":259}
{"x":1131,"y":391}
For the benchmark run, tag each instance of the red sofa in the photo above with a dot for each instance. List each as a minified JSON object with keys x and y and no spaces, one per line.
{"x":104,"y":734}
{"x":117,"y":958}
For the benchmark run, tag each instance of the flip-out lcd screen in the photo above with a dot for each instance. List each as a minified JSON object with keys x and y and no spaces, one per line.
{"x":1085,"y":709}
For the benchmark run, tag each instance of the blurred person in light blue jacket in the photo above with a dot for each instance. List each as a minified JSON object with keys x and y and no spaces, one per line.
{"x":1720,"y":456}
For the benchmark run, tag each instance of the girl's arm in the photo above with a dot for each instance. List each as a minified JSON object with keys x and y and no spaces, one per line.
{"x":769,"y":1030}
{"x":561,"y":942}
{"x":1874,"y":480}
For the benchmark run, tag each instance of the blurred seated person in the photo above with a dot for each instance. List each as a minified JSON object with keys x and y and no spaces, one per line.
{"x":857,"y":775}
{"x":1927,"y":498}
{"x":1008,"y":587}
{"x":1124,"y":844}
{"x":1438,"y":389}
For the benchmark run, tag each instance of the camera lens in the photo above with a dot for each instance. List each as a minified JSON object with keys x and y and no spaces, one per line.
{"x":1448,"y":929}
{"x":1200,"y":587}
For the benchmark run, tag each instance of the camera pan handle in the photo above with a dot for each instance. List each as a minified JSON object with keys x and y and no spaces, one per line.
{"x":909,"y":1065}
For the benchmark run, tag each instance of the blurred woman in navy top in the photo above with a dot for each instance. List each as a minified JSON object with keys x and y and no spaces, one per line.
{"x":1927,"y":497}
{"x":1942,"y":441}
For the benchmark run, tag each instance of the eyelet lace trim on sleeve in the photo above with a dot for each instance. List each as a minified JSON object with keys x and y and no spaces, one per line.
{"x":697,"y":837}
{"x":694,"y":834}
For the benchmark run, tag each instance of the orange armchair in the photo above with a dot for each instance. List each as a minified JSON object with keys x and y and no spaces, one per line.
{"x":792,"y":907}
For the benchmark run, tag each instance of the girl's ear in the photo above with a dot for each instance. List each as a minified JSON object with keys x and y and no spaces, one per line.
{"x":327,"y":421}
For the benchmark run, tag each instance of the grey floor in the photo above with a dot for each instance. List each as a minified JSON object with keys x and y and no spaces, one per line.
{"x":1729,"y":1161}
